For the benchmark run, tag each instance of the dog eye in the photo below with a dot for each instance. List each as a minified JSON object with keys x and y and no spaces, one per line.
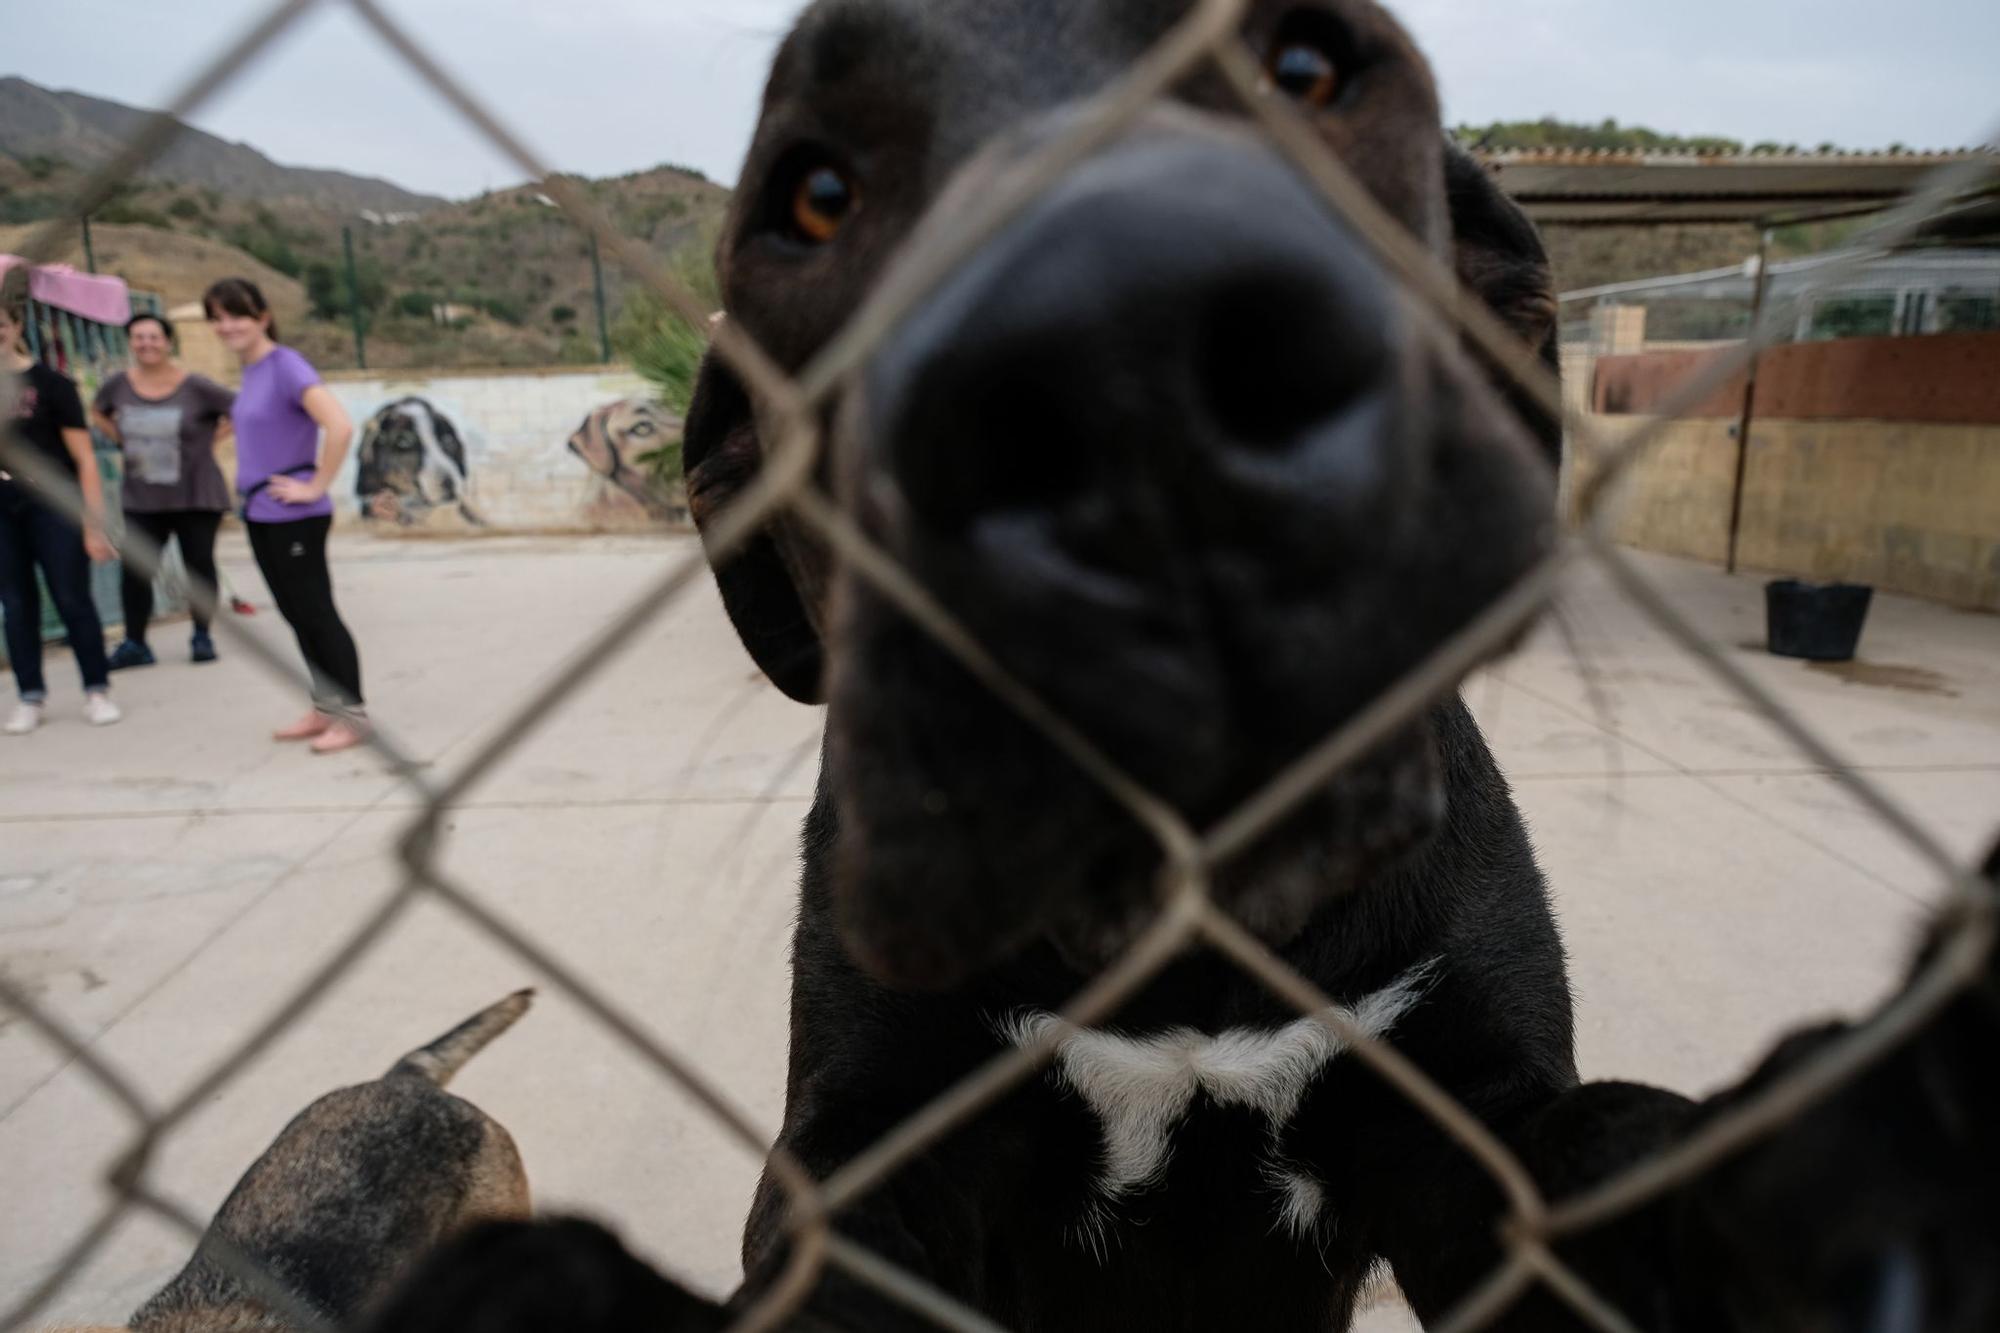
{"x":822,"y":201}
{"x":1306,"y":59}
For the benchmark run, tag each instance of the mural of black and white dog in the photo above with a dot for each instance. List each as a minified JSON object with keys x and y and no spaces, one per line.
{"x":411,"y":463}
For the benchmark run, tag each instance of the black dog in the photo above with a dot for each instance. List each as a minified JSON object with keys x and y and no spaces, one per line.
{"x":1875,"y":1210}
{"x":1173,"y":446}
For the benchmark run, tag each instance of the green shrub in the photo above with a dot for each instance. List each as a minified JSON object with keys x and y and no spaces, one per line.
{"x":660,"y":343}
{"x":133,"y":214}
{"x":502,"y":308}
{"x":21,"y":207}
{"x":663,"y":347}
{"x":324,"y":291}
{"x":326,"y":288}
{"x":1549,"y":132}
{"x":269,"y":246}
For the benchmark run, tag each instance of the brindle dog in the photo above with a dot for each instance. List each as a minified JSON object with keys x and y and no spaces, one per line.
{"x":357,"y":1188}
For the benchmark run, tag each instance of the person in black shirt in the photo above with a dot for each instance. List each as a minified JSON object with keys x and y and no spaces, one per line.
{"x":48,"y":425}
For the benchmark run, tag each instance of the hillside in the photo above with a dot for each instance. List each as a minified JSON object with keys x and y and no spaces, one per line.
{"x":504,"y":279}
{"x":520,"y":262}
{"x":176,"y":267}
{"x":515,"y":272}
{"x":84,"y":131}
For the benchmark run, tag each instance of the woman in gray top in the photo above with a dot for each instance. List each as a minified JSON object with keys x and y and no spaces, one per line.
{"x":166,"y":421}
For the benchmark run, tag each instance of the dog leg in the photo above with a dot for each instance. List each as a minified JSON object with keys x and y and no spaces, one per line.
{"x":876,"y":1223}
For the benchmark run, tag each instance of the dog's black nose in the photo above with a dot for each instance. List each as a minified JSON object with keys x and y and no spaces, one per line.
{"x":1177,"y":331}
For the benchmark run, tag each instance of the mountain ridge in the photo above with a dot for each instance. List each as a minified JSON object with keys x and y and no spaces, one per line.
{"x":82,"y":130}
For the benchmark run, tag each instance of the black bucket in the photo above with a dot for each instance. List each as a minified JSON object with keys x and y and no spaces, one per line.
{"x":1820,"y":622}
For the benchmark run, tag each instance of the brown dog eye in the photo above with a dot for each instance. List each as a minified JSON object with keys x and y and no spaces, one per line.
{"x":821,"y":205}
{"x":1306,"y":73}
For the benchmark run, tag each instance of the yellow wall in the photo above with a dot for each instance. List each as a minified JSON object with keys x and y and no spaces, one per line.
{"x":1906,"y":507}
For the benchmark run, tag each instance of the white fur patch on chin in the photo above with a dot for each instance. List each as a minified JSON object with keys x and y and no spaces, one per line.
{"x":1140,"y":1088}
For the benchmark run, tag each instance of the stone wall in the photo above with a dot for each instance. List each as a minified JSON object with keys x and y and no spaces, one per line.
{"x":1875,"y":460}
{"x":1913,"y":507}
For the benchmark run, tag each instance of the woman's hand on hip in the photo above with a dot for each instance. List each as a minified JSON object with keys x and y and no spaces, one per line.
{"x":292,"y":491}
{"x":97,"y":548}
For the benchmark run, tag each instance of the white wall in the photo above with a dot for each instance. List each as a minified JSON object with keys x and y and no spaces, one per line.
{"x":515,"y":427}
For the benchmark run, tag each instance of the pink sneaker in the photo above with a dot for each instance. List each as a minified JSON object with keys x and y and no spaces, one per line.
{"x":305,"y":729}
{"x":340,"y":735}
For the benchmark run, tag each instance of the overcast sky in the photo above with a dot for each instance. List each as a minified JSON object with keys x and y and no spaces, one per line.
{"x":608,"y":86}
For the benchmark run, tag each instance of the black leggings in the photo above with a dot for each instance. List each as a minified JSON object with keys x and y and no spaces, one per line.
{"x":292,"y":557}
{"x":194,"y":529}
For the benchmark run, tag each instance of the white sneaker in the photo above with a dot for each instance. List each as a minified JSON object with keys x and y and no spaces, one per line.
{"x":24,"y":719}
{"x":98,"y":708}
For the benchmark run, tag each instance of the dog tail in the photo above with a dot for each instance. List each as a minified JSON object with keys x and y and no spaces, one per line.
{"x":448,"y":1054}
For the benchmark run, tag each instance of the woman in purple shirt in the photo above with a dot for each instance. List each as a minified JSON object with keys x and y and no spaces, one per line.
{"x":283,"y":473}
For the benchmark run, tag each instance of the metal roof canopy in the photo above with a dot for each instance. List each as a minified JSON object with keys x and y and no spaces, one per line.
{"x":1582,"y":189}
{"x":1882,"y":270}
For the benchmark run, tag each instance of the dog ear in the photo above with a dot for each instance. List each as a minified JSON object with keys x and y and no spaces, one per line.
{"x":449,"y":442}
{"x":367,"y":467}
{"x":1500,"y":256}
{"x":721,"y":454}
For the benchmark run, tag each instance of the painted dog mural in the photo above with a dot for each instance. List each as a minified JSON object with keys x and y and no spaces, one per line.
{"x":615,"y":441}
{"x":410,"y":463}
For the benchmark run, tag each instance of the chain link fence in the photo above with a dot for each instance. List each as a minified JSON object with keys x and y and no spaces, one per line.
{"x":1206,"y":39}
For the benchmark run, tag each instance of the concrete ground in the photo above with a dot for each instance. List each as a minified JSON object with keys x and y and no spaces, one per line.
{"x":165,"y":883}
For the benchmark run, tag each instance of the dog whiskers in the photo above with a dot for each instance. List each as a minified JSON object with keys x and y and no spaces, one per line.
{"x":1093,"y":1231}
{"x":1561,"y":618}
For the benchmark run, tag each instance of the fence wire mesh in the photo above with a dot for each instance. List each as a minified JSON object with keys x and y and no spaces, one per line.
{"x":785,"y":492}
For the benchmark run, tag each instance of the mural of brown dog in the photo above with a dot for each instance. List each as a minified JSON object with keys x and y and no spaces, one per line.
{"x":615,"y":439}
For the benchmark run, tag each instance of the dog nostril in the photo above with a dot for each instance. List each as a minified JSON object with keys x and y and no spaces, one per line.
{"x":1133,"y":343}
{"x":1272,"y":359}
{"x":976,"y":436}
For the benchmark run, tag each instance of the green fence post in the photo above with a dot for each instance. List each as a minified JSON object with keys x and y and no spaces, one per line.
{"x":354,"y":298}
{"x":603,"y":325}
